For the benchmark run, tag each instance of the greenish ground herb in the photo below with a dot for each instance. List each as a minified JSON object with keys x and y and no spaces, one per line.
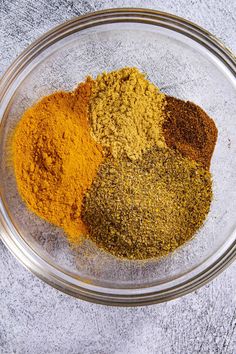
{"x":147,"y":208}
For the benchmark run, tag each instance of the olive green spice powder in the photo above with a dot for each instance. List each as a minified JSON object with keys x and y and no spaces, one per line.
{"x":146,"y":208}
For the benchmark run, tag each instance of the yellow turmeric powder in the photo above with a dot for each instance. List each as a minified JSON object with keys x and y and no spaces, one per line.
{"x":55,"y":158}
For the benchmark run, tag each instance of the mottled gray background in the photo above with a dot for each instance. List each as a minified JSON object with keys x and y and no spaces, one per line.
{"x":34,"y":318}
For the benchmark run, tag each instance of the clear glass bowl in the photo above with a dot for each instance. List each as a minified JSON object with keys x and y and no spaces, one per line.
{"x":183,"y":60}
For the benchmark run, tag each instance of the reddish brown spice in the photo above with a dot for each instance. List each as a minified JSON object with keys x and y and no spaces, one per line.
{"x":190,"y":130}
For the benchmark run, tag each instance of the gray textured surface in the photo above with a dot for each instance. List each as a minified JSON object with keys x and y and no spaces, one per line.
{"x":35,"y":318}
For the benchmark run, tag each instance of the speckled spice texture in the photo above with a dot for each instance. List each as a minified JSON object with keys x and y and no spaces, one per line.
{"x":34,"y":318}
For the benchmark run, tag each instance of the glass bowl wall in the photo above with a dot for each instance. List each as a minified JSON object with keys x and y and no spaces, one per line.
{"x":183,"y":60}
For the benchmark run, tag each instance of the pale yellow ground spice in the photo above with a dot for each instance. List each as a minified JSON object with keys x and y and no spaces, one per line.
{"x":126,"y":113}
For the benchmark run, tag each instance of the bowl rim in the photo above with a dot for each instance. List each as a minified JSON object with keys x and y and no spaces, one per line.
{"x":12,"y":239}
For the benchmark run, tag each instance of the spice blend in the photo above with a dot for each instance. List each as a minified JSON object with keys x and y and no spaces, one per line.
{"x":118,"y":162}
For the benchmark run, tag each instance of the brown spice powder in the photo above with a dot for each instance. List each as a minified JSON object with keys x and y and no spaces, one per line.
{"x":190,"y":130}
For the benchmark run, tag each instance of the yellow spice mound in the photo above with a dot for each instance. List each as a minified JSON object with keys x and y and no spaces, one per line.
{"x":126,"y":113}
{"x":56,"y":159}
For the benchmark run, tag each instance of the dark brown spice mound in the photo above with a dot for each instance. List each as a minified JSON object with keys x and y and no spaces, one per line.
{"x":190,"y":130}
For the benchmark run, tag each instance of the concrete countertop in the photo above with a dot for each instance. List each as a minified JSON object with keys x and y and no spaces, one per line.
{"x":35,"y":318}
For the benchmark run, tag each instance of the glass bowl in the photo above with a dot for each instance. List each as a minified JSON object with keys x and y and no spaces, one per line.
{"x":183,"y":60}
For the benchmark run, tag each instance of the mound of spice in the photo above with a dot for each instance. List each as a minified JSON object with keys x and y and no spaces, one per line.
{"x":151,"y":206}
{"x":56,"y":159}
{"x":190,"y":130}
{"x":126,"y":113}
